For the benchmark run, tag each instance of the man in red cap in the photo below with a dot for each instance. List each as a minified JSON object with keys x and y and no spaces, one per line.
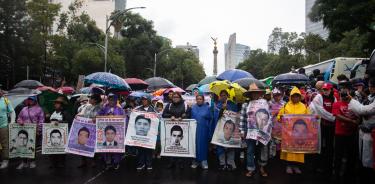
{"x":322,"y":105}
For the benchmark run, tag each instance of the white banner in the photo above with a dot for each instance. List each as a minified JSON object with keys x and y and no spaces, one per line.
{"x":142,"y":129}
{"x":227,"y":132}
{"x":22,"y":140}
{"x":55,"y":138}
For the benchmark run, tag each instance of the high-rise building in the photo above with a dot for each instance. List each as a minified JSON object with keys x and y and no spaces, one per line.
{"x":189,"y":47}
{"x":235,"y":53}
{"x":96,"y":9}
{"x":314,"y":27}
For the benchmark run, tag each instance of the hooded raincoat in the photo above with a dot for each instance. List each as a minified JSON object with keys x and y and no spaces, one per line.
{"x":292,"y":108}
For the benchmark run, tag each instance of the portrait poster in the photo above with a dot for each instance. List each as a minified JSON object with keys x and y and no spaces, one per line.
{"x":55,"y":138}
{"x":82,"y":137}
{"x":277,"y":125}
{"x":22,"y":140}
{"x":259,"y":121}
{"x":142,"y":129}
{"x":178,"y":138}
{"x":227,"y":132}
{"x":110,"y":134}
{"x":300,"y":134}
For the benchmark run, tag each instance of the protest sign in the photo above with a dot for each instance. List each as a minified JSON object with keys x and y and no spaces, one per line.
{"x":22,"y":140}
{"x":82,"y":137}
{"x":55,"y":138}
{"x":178,"y":138}
{"x":277,"y":125}
{"x":227,"y":133}
{"x":300,"y":134}
{"x":142,"y":129}
{"x":110,"y":134}
{"x":259,"y":122}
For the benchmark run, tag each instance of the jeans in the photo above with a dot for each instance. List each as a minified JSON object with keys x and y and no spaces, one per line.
{"x":227,"y":157}
{"x":345,"y":147}
{"x":4,"y":141}
{"x":257,"y":152}
{"x":112,"y":158}
{"x":144,"y":157}
{"x":326,"y":156}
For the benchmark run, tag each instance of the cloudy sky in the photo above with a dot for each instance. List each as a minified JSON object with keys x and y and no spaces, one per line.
{"x":195,"y":21}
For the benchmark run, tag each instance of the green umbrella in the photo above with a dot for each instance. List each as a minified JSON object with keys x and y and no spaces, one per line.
{"x":268,"y":81}
{"x":46,"y":101}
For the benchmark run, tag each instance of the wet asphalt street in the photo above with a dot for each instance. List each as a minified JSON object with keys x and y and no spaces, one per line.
{"x":127,"y":173}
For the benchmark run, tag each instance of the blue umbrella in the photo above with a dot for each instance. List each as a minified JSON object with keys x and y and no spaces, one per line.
{"x":139,"y":94}
{"x":108,"y":80}
{"x":85,"y":90}
{"x":204,"y":88}
{"x":234,"y":74}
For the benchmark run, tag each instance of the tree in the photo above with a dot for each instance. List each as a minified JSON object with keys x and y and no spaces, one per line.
{"x":256,"y":62}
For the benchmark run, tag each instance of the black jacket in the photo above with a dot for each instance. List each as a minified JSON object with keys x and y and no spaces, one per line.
{"x":178,"y":110}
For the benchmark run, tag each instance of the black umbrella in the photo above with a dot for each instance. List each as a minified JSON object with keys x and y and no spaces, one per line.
{"x":290,"y":78}
{"x":31,"y":84}
{"x":191,"y":87}
{"x":207,"y":80}
{"x":158,"y":83}
{"x":245,"y":83}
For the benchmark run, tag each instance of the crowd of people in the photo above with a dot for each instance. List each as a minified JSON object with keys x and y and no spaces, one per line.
{"x":346,"y":110}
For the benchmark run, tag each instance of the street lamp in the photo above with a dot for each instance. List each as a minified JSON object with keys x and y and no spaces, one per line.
{"x":156,"y":56}
{"x":317,"y":54}
{"x":114,"y":18}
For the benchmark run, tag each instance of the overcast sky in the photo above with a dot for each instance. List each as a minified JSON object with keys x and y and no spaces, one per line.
{"x":195,"y":21}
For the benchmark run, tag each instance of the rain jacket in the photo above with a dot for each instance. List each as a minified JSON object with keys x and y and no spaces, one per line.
{"x":316,"y":107}
{"x":291,"y":108}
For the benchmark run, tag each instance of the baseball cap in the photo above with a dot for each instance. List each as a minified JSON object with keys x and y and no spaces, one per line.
{"x":327,"y":86}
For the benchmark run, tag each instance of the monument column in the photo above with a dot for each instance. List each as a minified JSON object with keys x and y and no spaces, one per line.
{"x":215,"y":56}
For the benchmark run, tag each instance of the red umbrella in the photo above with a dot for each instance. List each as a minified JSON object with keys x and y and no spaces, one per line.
{"x":65,"y":90}
{"x":45,"y":88}
{"x":175,"y":89}
{"x":136,"y":84}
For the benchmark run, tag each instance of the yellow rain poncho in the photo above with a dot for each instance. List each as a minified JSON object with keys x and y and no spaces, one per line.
{"x":291,"y":108}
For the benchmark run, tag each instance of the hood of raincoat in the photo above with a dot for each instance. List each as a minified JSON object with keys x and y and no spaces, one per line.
{"x":294,"y":91}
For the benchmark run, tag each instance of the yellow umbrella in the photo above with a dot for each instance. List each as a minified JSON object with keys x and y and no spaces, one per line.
{"x":236,"y":93}
{"x":218,"y":86}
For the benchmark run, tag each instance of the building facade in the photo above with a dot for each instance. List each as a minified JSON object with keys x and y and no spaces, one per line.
{"x":189,"y":47}
{"x":234,"y":52}
{"x":314,"y":27}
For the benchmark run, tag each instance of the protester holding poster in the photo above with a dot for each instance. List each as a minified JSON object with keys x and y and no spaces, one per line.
{"x":276,"y":104}
{"x":257,"y":129}
{"x":226,"y":155}
{"x":202,"y":114}
{"x":55,"y":138}
{"x":110,"y":134}
{"x":22,"y":142}
{"x":82,"y":137}
{"x":112,"y":109}
{"x":142,"y":132}
{"x":176,"y":110}
{"x":31,"y":114}
{"x":60,"y":115}
{"x":294,"y":106}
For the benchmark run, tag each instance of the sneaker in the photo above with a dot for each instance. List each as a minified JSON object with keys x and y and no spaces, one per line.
{"x":149,"y":168}
{"x":32,"y":164}
{"x":289,"y":170}
{"x":4,"y":164}
{"x":242,"y":155}
{"x":297,"y":170}
{"x":21,"y":166}
{"x":222,"y":167}
{"x":139,"y":168}
{"x":194,"y":165}
{"x":231,"y":167}
{"x":204,"y":164}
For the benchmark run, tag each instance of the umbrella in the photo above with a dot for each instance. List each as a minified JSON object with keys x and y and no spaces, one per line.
{"x":234,"y":74}
{"x":290,"y":78}
{"x":191,"y":87}
{"x":108,"y":80}
{"x":16,"y":99}
{"x":204,"y":88}
{"x":85,"y":90}
{"x":218,"y":86}
{"x":175,"y":89}
{"x":207,"y":80}
{"x":21,"y":90}
{"x":236,"y":93}
{"x":136,"y":84}
{"x":159,"y":92}
{"x":268,"y":80}
{"x":45,"y":88}
{"x":31,"y":84}
{"x":156,"y":83}
{"x":46,"y":101}
{"x":245,"y":82}
{"x":65,"y":90}
{"x":139,"y":94}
